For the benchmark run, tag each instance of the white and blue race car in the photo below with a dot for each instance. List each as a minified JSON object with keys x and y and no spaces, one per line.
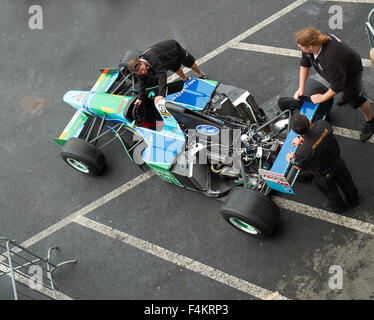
{"x":204,"y":135}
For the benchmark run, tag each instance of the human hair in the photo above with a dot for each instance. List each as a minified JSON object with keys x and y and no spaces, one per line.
{"x":311,"y":37}
{"x":300,"y":123}
{"x":372,"y":56}
{"x":133,"y":65}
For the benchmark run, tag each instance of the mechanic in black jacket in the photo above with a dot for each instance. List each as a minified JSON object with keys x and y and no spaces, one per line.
{"x":156,"y":61}
{"x":319,"y":151}
{"x":339,"y":65}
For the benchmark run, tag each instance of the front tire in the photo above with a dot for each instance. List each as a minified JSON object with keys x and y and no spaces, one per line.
{"x":251,"y":212}
{"x":83,"y":156}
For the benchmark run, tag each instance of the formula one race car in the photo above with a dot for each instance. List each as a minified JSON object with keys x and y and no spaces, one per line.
{"x":204,"y":135}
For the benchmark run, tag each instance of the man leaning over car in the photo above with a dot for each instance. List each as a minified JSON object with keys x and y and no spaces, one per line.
{"x":339,"y":65}
{"x":156,"y":61}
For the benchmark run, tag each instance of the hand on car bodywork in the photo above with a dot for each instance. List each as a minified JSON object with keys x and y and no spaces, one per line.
{"x":318,"y":98}
{"x":297,"y":141}
{"x":138,"y":102}
{"x":158,"y":99}
{"x":298,"y":93}
{"x":290,"y":156}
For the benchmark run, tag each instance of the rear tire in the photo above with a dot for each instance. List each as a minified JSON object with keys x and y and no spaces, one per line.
{"x":312,"y":87}
{"x":251,"y":212}
{"x":83,"y":156}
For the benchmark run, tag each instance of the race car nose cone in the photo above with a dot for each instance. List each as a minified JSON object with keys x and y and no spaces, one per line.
{"x":75,"y":98}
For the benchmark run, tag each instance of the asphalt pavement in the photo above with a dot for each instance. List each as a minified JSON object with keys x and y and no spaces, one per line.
{"x":136,"y":237}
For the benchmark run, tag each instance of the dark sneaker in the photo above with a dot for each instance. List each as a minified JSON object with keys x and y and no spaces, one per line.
{"x":203,"y":76}
{"x":334,"y":209}
{"x":367,"y":132}
{"x":342,"y":100}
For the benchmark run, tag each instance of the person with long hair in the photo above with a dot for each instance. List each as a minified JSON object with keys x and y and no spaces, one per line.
{"x":339,"y":65}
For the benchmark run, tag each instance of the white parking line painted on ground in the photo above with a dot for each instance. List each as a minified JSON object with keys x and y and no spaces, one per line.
{"x":351,"y":134}
{"x":266,"y":49}
{"x":352,"y":1}
{"x":145,"y":176}
{"x":189,"y":263}
{"x":278,"y":51}
{"x":80,"y":213}
{"x":344,"y":132}
{"x":180,"y":260}
{"x":252,"y":30}
{"x":327,"y":216}
{"x":24,"y":280}
{"x":246,"y":34}
{"x":347,"y":133}
{"x":87,"y":209}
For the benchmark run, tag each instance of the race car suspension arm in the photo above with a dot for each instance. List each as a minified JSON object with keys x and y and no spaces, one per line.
{"x":265,"y":188}
{"x":99,"y":135}
{"x":89,"y":130}
{"x":101,"y":127}
{"x":92,"y":124}
{"x":275,"y":119}
{"x":115,"y":132}
{"x":244,"y":174}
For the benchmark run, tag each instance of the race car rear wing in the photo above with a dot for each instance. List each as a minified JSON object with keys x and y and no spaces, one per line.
{"x":282,"y":174}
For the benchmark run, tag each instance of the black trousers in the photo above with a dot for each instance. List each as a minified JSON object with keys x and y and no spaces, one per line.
{"x":337,"y":176}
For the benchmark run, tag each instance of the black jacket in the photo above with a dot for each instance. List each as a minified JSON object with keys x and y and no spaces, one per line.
{"x":161,"y":57}
{"x":319,"y":149}
{"x":337,"y":63}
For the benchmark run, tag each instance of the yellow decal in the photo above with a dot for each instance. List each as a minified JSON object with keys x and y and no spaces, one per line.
{"x":320,"y":139}
{"x":107,"y":110}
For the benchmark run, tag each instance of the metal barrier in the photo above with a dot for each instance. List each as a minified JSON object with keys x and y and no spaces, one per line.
{"x":370,"y":29}
{"x":27,"y":271}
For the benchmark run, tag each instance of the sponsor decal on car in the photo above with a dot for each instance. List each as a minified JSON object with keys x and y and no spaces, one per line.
{"x":207,"y":129}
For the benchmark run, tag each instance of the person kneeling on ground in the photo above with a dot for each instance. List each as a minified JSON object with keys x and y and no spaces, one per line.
{"x":319,"y":151}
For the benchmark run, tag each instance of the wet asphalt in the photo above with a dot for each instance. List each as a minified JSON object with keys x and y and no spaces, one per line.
{"x":38,"y":189}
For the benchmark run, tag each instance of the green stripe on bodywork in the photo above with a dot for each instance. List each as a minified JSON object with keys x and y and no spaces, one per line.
{"x":104,"y":103}
{"x":103,"y":81}
{"x":212,"y":82}
{"x":162,"y":170}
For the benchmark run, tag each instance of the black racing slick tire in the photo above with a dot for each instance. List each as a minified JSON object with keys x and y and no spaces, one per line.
{"x":83,"y":157}
{"x":251,"y":212}
{"x":312,"y":87}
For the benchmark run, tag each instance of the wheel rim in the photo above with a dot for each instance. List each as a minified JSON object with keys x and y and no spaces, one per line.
{"x":243,"y":226}
{"x":78,"y":165}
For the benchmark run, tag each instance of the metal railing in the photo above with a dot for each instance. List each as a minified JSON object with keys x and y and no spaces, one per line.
{"x":370,"y":29}
{"x":30,"y":274}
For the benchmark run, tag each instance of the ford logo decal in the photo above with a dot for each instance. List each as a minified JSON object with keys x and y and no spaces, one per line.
{"x":207,"y":130}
